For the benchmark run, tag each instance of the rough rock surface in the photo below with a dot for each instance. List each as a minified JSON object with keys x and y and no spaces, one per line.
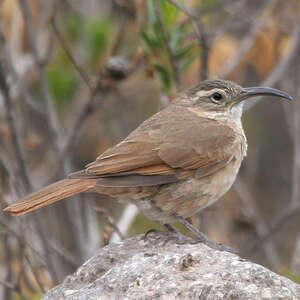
{"x":160,"y":268}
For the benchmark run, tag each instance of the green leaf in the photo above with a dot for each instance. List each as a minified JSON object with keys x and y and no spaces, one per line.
{"x":176,"y":38}
{"x":73,"y":25}
{"x":151,"y":14}
{"x":182,"y":53}
{"x":142,"y":224}
{"x":151,"y":40}
{"x":293,"y":275}
{"x":97,"y":32}
{"x":62,"y":83}
{"x":30,"y":296}
{"x":209,"y":4}
{"x":169,"y":12}
{"x":188,"y":61}
{"x":164,"y":75}
{"x":157,"y":31}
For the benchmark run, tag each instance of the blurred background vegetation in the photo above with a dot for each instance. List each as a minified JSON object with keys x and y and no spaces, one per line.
{"x":77,"y":76}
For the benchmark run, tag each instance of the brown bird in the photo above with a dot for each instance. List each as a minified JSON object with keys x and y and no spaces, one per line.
{"x":176,"y":163}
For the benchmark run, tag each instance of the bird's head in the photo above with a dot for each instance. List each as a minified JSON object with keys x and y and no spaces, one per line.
{"x":223,"y":97}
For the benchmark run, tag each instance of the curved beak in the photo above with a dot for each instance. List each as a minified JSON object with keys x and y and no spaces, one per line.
{"x":251,"y":92}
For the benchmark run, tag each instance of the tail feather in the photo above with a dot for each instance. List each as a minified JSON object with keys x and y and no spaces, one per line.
{"x":49,"y":194}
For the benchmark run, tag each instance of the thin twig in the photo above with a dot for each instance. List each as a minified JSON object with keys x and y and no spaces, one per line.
{"x":125,"y":221}
{"x":275,"y":227}
{"x":110,"y":220}
{"x":7,"y":266}
{"x":18,"y":237}
{"x":295,"y":201}
{"x":120,"y":36}
{"x":64,"y":253}
{"x":244,"y":48}
{"x":18,"y":83}
{"x":19,"y":153}
{"x":295,"y":197}
{"x":283,"y":65}
{"x":247,"y":42}
{"x":182,"y":8}
{"x":272,"y":80}
{"x":26,"y":279}
{"x":4,"y":163}
{"x":6,"y":283}
{"x":258,"y":221}
{"x":16,"y":288}
{"x":201,"y":35}
{"x":16,"y":139}
{"x":60,"y":250}
{"x":205,"y":47}
{"x":35,"y":275}
{"x":90,"y":106}
{"x":165,"y":37}
{"x":63,"y":44}
{"x":52,"y":119}
{"x":22,"y":274}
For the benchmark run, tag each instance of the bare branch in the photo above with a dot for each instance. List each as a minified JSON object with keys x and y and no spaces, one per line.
{"x":277,"y":226}
{"x":260,"y":226}
{"x":284,"y":63}
{"x":201,"y":35}
{"x":125,"y":221}
{"x":63,"y":252}
{"x":205,"y":47}
{"x":52,"y":120}
{"x":19,"y":237}
{"x":295,"y":198}
{"x":165,"y":37}
{"x":245,"y":46}
{"x":16,"y":288}
{"x":90,"y":106}
{"x":294,"y":209}
{"x":7,"y":266}
{"x":19,"y":85}
{"x":16,"y":139}
{"x":35,"y":274}
{"x":110,"y":220}
{"x":120,"y":36}
{"x":182,"y":8}
{"x":63,"y":44}
{"x":247,"y":42}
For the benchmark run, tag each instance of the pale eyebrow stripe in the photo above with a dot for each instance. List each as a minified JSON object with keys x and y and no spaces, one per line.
{"x":203,"y":93}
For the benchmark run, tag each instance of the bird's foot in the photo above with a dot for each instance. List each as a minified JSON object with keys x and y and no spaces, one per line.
{"x":202,"y":238}
{"x":168,"y":226}
{"x":172,"y":228}
{"x":151,"y":231}
{"x":216,"y":246}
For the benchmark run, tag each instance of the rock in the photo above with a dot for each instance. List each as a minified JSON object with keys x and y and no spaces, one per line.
{"x":159,"y":267}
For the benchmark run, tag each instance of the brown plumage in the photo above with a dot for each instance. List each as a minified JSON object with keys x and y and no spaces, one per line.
{"x":50,"y":194}
{"x":177,"y":162}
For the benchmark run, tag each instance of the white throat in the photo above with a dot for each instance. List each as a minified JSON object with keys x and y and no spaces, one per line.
{"x":236,"y":112}
{"x":232,"y":115}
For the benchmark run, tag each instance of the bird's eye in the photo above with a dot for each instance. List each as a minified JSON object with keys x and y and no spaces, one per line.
{"x":217,"y":97}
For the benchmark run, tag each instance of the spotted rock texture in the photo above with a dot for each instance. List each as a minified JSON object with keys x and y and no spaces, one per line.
{"x":161,"y":268}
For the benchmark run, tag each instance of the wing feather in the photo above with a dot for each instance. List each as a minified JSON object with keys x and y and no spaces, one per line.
{"x":162,"y":150}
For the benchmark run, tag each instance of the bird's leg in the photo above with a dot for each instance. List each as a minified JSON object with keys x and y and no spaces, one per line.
{"x":171,"y":228}
{"x":151,"y":231}
{"x":202,"y":237}
{"x":168,"y":226}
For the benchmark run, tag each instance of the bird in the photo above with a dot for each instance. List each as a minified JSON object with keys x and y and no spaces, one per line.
{"x":176,"y":163}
